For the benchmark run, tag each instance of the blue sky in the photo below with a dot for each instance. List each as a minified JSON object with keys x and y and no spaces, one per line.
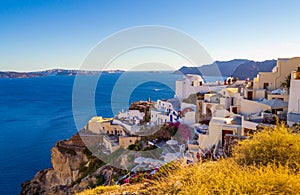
{"x":37,"y":35}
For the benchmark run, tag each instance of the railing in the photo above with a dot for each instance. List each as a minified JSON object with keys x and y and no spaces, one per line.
{"x":268,"y":117}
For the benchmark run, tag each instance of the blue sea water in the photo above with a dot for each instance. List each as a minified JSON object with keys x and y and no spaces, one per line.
{"x":35,"y":113}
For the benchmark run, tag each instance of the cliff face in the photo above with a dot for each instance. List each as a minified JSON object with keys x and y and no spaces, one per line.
{"x":71,"y":172}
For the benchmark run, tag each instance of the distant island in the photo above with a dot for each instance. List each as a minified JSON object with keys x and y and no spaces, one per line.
{"x":53,"y":72}
{"x":241,"y":68}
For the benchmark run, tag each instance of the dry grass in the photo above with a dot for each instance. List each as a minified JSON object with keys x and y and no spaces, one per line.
{"x":276,"y":145}
{"x":227,"y":177}
{"x":266,"y":164}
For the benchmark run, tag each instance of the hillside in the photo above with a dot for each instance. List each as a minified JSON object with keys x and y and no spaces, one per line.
{"x":266,"y":164}
{"x":225,"y":68}
{"x":250,"y":69}
{"x":238,"y":68}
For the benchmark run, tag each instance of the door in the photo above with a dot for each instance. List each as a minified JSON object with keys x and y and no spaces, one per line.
{"x":250,"y":95}
{"x":234,"y":110}
{"x":225,"y":132}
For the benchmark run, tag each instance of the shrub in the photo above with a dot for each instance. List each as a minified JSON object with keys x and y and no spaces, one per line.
{"x":221,"y":177}
{"x":88,"y":168}
{"x":276,"y":150}
{"x":100,"y":180}
{"x":88,"y":153}
{"x":136,"y":147}
{"x":228,"y":177}
{"x":273,"y":145}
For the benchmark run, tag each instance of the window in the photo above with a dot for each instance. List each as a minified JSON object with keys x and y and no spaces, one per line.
{"x":266,"y":85}
{"x":130,"y":141}
{"x":192,"y":83}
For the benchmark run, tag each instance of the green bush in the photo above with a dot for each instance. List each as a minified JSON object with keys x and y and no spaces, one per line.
{"x":87,"y":168}
{"x":88,"y":153}
{"x":136,"y":147}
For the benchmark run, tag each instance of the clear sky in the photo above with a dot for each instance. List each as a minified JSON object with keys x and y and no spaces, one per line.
{"x":42,"y":34}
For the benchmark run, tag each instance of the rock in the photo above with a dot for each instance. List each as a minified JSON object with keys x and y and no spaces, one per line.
{"x":66,"y":158}
{"x":73,"y":170}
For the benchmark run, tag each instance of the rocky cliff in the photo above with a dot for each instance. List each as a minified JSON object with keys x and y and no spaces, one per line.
{"x":73,"y":169}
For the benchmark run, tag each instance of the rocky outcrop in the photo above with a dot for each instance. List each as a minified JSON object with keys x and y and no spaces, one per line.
{"x":74,"y":169}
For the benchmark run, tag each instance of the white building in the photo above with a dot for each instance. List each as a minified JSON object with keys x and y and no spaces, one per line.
{"x":265,"y":82}
{"x":192,"y":84}
{"x":132,"y":115}
{"x":294,"y":99}
{"x":188,"y":113}
{"x":167,"y":105}
{"x":165,"y":111}
{"x":219,"y":127}
{"x":219,"y":104}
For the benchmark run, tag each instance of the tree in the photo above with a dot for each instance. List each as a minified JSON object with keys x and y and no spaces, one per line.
{"x":286,"y":83}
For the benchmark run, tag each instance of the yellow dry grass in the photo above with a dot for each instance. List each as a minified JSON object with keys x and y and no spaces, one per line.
{"x":266,"y":164}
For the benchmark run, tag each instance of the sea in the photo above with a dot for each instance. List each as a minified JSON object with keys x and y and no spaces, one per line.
{"x":35,"y":113}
